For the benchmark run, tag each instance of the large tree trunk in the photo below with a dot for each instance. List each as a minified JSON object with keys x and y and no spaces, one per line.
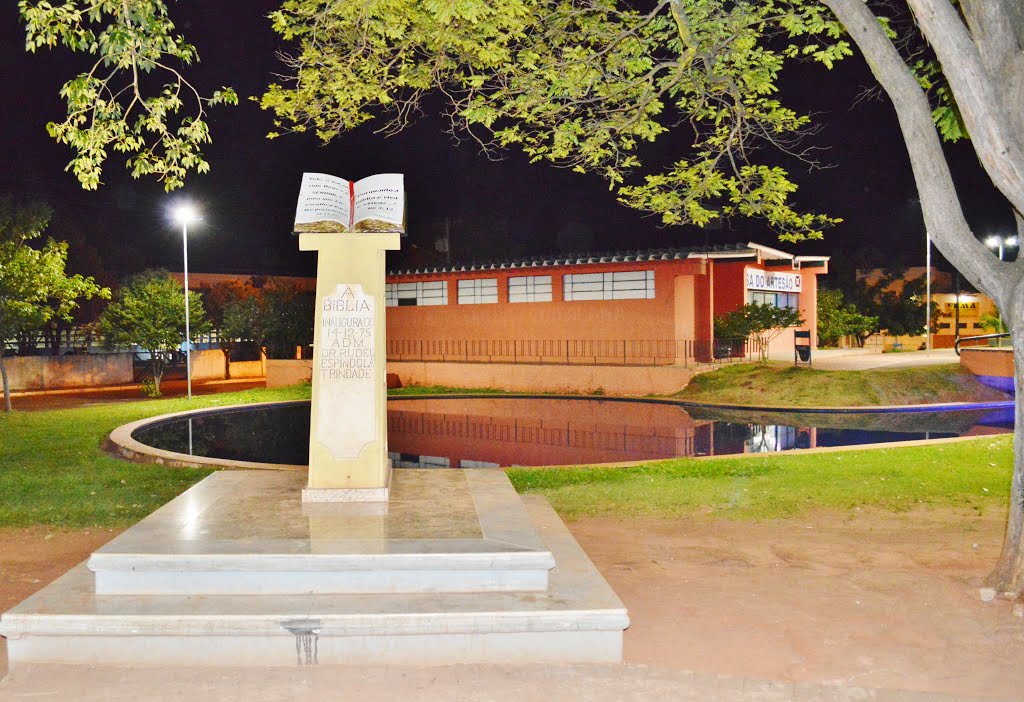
{"x":1008,"y":575}
{"x":994,"y":139}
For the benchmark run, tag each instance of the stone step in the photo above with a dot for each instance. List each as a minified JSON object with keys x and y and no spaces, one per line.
{"x":248,"y":533}
{"x":577,"y":619}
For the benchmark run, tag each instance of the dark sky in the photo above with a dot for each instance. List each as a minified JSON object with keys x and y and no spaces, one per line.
{"x":495,"y":209}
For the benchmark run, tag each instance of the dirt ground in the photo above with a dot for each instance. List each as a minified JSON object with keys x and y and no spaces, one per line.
{"x":873,"y":600}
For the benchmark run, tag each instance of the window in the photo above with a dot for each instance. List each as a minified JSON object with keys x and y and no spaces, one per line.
{"x":622,"y":285}
{"x":945,"y":325}
{"x":530,"y":288}
{"x":478,"y":291}
{"x":431,"y":292}
{"x":978,"y":325}
{"x":775,"y":299}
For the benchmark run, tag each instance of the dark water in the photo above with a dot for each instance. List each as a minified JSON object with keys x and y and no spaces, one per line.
{"x":547,"y":431}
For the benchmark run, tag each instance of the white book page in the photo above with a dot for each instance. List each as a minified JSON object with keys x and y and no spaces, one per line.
{"x":380,"y":203}
{"x":324,"y":204}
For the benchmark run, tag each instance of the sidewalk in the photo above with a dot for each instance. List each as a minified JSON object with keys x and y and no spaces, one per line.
{"x":454,"y":683}
{"x":65,"y":398}
{"x":869,"y":359}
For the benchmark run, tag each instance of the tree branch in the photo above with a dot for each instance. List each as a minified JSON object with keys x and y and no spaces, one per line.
{"x":940,"y":204}
{"x":997,"y":147}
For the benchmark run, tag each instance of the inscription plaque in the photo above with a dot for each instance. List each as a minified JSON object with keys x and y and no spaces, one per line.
{"x":347,"y":398}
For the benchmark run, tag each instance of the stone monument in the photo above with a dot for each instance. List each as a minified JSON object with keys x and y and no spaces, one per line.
{"x":348,"y":452}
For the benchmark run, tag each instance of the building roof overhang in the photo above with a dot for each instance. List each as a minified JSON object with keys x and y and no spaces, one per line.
{"x":732,"y":252}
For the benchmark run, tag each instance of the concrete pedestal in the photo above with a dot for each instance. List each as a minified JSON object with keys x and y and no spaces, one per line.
{"x":236,"y":571}
{"x":348,"y":428}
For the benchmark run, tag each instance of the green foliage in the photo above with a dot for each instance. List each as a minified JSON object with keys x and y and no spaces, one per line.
{"x":34,"y":287}
{"x":285,"y":320}
{"x":149,"y":311}
{"x":946,"y":113}
{"x":581,"y":85}
{"x":992,"y":322}
{"x":760,"y":322}
{"x":898,"y":304}
{"x":149,"y":388}
{"x":114,"y":106}
{"x":837,"y":318}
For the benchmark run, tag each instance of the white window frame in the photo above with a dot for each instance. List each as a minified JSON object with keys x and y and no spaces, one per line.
{"x":478,"y":291}
{"x":617,"y":285}
{"x":529,"y":288}
{"x":424,"y":293}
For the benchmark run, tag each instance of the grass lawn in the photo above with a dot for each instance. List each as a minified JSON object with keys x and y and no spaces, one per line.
{"x":54,"y":472}
{"x":780,"y":384}
{"x":970,"y":474}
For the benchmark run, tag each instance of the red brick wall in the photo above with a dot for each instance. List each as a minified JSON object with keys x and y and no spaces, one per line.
{"x":579,"y":319}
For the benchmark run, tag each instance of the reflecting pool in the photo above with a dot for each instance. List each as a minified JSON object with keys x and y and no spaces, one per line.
{"x":495,"y":431}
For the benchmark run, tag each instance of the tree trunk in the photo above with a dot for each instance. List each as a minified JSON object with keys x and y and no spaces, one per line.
{"x":940,"y":204}
{"x":157,"y":365}
{"x":7,"y":385}
{"x":1008,"y":575}
{"x":227,"y":361}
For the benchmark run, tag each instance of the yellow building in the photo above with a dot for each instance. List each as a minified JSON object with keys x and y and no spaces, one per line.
{"x":972,"y":307}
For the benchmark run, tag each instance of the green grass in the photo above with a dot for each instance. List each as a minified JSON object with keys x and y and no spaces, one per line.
{"x":53,"y":470}
{"x":967,"y":474}
{"x":443,"y":390}
{"x":783,"y":385}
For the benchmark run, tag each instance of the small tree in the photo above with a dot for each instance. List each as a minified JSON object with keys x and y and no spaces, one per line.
{"x":34,"y":288}
{"x":234,"y":309}
{"x":760,"y":322}
{"x":898,"y":304}
{"x":285,"y":319}
{"x":992,"y":322}
{"x":838,"y":318}
{"x":149,"y":311}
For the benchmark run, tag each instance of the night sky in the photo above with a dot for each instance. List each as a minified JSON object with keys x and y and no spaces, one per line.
{"x":493,"y":209}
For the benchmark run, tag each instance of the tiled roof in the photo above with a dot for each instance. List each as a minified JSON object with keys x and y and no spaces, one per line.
{"x":563,"y":259}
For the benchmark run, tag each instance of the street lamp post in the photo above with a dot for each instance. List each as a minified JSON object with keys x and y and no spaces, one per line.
{"x":184,"y":215}
{"x":999,"y":242}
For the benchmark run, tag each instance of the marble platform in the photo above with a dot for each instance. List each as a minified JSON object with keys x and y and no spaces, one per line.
{"x":351,"y":579}
{"x":248,"y":533}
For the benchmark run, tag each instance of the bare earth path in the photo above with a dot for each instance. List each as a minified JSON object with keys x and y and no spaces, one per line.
{"x":872,"y":606}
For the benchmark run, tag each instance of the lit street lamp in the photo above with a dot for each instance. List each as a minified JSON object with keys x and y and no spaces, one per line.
{"x":185,"y":214}
{"x":999,"y":242}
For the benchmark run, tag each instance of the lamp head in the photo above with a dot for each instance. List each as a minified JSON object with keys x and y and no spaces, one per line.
{"x":1010,"y":241}
{"x":993,"y":241}
{"x":185,"y":213}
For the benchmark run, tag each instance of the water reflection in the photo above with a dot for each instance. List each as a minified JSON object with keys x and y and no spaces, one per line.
{"x":489,"y":432}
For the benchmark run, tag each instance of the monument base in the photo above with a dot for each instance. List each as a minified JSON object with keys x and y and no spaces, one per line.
{"x":312,"y":495}
{"x":345,"y":494}
{"x":236,"y":571}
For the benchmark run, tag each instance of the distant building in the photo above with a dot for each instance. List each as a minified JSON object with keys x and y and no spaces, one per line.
{"x":648,"y":307}
{"x":508,"y":307}
{"x":972,"y":307}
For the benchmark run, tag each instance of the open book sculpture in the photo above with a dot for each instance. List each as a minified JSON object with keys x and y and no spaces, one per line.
{"x":331,"y":204}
